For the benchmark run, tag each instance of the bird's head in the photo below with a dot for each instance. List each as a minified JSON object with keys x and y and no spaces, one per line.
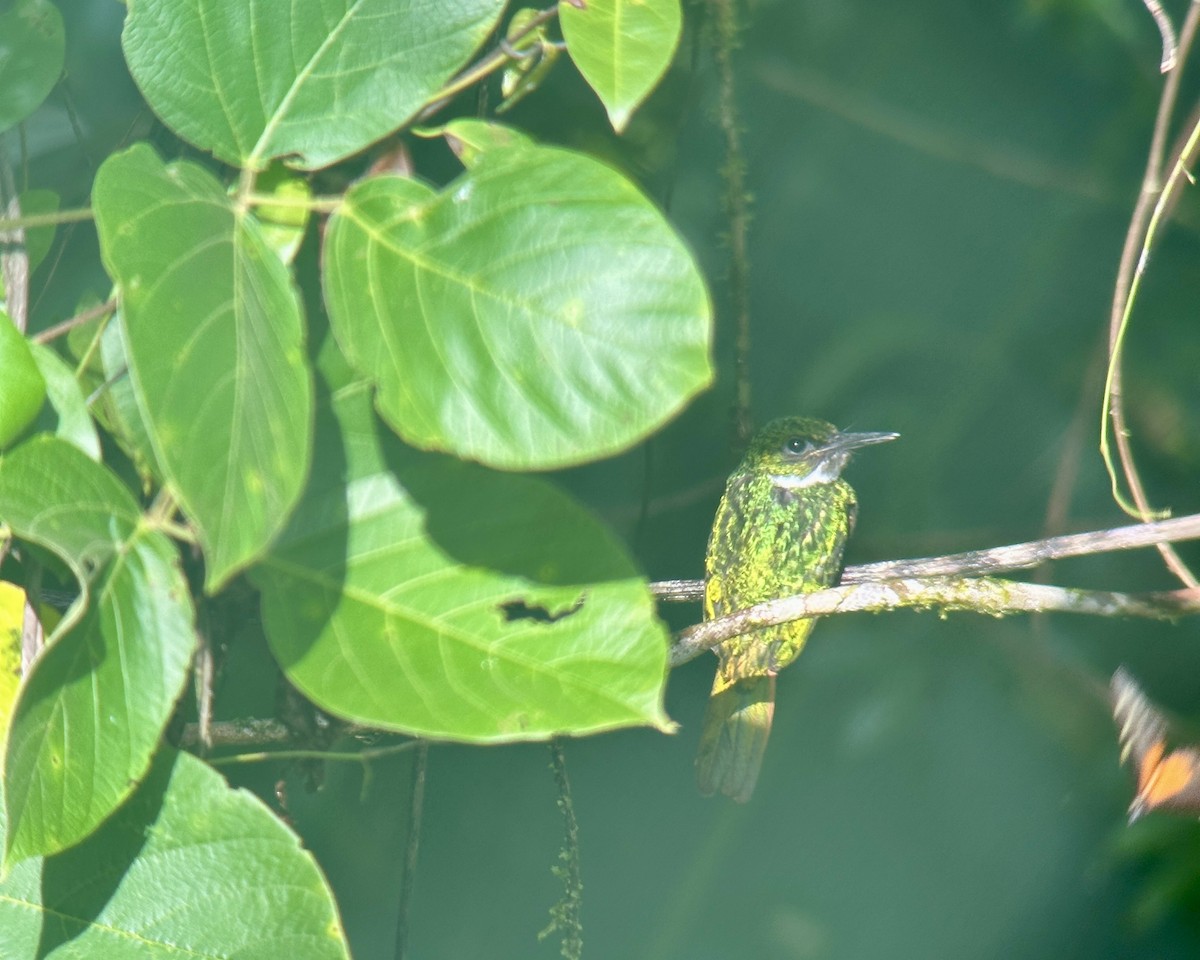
{"x":799,"y":452}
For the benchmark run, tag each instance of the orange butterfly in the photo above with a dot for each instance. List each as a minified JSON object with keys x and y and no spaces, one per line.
{"x":1165,"y":781}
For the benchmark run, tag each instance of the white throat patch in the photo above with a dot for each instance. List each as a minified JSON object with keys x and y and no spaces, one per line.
{"x":827,"y":471}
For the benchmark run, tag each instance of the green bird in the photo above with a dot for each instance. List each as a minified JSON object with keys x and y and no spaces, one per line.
{"x":779,"y":530}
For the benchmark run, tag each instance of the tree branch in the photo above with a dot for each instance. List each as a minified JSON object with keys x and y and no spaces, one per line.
{"x":1019,"y":556}
{"x":977,"y":595}
{"x":942,"y":583}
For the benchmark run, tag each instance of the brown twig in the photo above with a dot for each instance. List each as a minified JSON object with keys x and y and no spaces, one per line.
{"x":1153,"y":201}
{"x":247,"y":732}
{"x":81,"y":318}
{"x":1170,"y":46}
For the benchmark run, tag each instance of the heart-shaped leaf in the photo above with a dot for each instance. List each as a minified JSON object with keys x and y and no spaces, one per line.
{"x":186,"y":868}
{"x":215,"y":345}
{"x":536,"y":313}
{"x":309,"y":80}
{"x":622,"y":48}
{"x":90,"y":714}
{"x":412,"y":597}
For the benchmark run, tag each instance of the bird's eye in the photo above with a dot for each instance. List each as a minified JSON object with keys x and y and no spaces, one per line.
{"x":797,"y":446}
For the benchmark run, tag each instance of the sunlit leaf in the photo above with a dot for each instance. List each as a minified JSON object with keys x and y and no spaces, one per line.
{"x":186,"y":868}
{"x":416,"y":597}
{"x":12,"y":619}
{"x":538,"y":312}
{"x":312,"y":81}
{"x":622,"y":48}
{"x":215,"y":345}
{"x":284,"y":221}
{"x":22,"y":387}
{"x":32,"y":44}
{"x":91,"y":712}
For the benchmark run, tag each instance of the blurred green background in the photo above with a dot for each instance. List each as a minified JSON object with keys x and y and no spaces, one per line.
{"x":940,"y":191}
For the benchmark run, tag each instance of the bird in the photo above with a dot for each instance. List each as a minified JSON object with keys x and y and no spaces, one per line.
{"x":1165,"y":781}
{"x":780,"y":529}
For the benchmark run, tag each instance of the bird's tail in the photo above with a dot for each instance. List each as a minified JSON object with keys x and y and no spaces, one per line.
{"x":734,"y":739}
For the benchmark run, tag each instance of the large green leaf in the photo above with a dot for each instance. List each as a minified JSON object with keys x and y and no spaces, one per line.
{"x":438,"y":598}
{"x":188,"y":868}
{"x":622,"y":48}
{"x":22,"y":386}
{"x":90,"y":714}
{"x":538,"y":312}
{"x":32,"y":44}
{"x":215,"y":345}
{"x":312,"y":81}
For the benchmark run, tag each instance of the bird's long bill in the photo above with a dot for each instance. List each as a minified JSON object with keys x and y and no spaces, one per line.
{"x":845,"y":442}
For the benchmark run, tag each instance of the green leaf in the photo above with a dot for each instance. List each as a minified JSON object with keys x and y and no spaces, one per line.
{"x":38,"y":239}
{"x":215,"y":345}
{"x":437,"y":598}
{"x":538,"y":312}
{"x":313,"y":81}
{"x":67,"y":414}
{"x":284,"y":222}
{"x":117,"y":406}
{"x":622,"y":48}
{"x":187,"y":868}
{"x":22,"y":387}
{"x":32,"y":45}
{"x":90,"y":714}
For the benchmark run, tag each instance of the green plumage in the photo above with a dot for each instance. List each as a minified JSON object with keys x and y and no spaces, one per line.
{"x":780,"y":529}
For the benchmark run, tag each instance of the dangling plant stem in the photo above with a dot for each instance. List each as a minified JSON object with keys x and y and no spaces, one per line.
{"x":565,"y":915}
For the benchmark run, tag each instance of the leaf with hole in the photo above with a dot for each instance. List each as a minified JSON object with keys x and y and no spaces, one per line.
{"x":538,"y":312}
{"x":434,"y":597}
{"x":214,"y":340}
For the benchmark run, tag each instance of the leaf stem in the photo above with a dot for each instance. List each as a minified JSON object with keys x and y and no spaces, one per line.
{"x":361,"y":756}
{"x":484,"y":67}
{"x":46,"y":219}
{"x":81,"y":318}
{"x":565,"y":915}
{"x":413,"y":847}
{"x":315,"y":204}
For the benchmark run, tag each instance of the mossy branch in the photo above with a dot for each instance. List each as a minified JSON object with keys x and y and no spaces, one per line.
{"x":986,"y":595}
{"x":958,"y":582}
